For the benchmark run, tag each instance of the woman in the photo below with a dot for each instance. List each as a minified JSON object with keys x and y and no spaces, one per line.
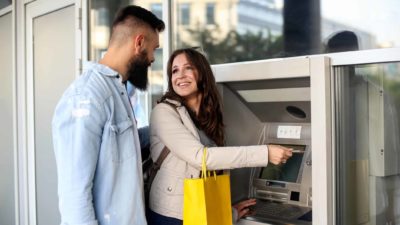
{"x":189,"y":117}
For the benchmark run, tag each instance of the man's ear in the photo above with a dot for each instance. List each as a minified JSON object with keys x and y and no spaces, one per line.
{"x":139,"y":43}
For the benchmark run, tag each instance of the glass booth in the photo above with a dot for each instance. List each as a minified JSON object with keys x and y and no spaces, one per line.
{"x":341,"y":121}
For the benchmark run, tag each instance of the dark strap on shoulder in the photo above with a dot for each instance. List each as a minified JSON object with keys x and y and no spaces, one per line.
{"x":164,"y":153}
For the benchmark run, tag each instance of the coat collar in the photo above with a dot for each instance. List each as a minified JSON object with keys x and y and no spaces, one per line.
{"x":103,"y":69}
{"x":174,"y":102}
{"x":185,"y":117}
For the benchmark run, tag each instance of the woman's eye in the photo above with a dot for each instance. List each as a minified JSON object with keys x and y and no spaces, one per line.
{"x":174,"y":71}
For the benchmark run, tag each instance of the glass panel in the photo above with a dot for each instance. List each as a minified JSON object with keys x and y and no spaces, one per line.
{"x":184,"y":12}
{"x":156,"y":8}
{"x":102,"y":13}
{"x":368,"y":144}
{"x":210,"y":13}
{"x":5,"y":3}
{"x":7,"y":173}
{"x":54,"y":66}
{"x":234,"y":31}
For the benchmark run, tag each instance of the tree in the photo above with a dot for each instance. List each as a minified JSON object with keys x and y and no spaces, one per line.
{"x":234,"y":47}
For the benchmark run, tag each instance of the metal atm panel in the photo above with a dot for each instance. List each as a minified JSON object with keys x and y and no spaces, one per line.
{"x":262,"y":99}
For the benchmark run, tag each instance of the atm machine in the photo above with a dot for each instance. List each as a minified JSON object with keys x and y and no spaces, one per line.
{"x":271,"y":102}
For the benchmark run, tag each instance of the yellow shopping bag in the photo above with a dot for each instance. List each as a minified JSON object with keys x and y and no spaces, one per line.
{"x":207,"y":200}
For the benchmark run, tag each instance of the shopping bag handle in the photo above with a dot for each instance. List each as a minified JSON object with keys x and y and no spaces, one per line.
{"x":204,"y":172}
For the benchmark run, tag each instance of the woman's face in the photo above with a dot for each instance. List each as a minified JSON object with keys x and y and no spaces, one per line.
{"x":184,"y":77}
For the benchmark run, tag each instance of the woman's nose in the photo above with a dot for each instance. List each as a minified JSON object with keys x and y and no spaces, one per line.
{"x":180,"y":74}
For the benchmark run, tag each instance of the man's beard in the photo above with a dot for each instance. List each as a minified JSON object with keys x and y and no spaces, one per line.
{"x":137,"y":71}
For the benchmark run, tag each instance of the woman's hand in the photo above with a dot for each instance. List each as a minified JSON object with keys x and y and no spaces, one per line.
{"x":278,"y":154}
{"x":243,"y":208}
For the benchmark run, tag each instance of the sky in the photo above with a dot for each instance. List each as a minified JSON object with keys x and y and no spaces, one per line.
{"x":379,"y":17}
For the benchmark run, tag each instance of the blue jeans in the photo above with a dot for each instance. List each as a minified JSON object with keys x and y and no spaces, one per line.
{"x":154,"y":218}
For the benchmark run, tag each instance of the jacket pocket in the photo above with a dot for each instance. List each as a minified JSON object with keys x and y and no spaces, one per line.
{"x":122,"y":138}
{"x":168,"y":191}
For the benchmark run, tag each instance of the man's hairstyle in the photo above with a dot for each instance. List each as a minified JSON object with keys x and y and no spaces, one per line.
{"x":141,"y":15}
{"x":133,"y":17}
{"x":210,"y":118}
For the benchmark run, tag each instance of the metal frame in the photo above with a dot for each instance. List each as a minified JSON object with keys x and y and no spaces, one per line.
{"x":365,"y":56}
{"x":321,"y":127}
{"x":22,"y":175}
{"x":167,"y":48}
{"x":333,"y":144}
{"x":15,"y":111}
{"x":318,"y":69}
{"x":262,"y":69}
{"x":84,"y":5}
{"x":33,"y":10}
{"x":15,"y":122}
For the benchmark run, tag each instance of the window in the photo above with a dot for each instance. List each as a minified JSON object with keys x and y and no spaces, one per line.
{"x":157,"y":64}
{"x":7,"y":116}
{"x":102,"y":13}
{"x":185,"y":13}
{"x":156,"y":8}
{"x":210,"y":13}
{"x":261,"y":29}
{"x":5,"y":3}
{"x":103,"y":17}
{"x":368,"y":141}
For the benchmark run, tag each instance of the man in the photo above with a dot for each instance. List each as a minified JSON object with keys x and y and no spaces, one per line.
{"x":142,"y":121}
{"x":95,"y":135}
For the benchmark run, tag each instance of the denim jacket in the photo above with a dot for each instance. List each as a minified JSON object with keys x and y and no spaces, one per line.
{"x":97,"y":152}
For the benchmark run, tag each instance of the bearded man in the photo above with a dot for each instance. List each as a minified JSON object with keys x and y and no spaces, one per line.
{"x":95,"y":134}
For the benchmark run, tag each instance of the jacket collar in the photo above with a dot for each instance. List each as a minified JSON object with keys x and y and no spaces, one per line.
{"x":102,"y":69}
{"x":185,"y":117}
{"x":174,"y":102}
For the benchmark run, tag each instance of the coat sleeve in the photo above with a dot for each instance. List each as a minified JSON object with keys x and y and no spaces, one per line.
{"x":167,"y":126}
{"x":77,"y":129}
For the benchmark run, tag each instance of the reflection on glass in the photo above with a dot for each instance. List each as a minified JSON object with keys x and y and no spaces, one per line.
{"x":102,"y":13}
{"x":7,"y":117}
{"x":368,"y":144}
{"x":210,"y":13}
{"x":5,"y":3}
{"x":287,"y":172}
{"x":242,"y":30}
{"x":184,"y":11}
{"x":156,"y":8}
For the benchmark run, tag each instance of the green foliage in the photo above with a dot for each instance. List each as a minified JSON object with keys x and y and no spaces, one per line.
{"x":234,"y":47}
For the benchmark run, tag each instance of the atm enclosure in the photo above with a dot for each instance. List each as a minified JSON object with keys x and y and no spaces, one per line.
{"x":285,"y":102}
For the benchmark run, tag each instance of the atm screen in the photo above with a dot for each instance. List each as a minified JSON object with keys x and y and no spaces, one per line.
{"x":287,"y":172}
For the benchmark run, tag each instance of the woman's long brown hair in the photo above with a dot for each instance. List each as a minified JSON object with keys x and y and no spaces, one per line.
{"x":209,"y":118}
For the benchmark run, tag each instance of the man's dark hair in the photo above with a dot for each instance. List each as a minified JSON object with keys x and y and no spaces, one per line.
{"x":129,"y":19}
{"x":141,"y":15}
